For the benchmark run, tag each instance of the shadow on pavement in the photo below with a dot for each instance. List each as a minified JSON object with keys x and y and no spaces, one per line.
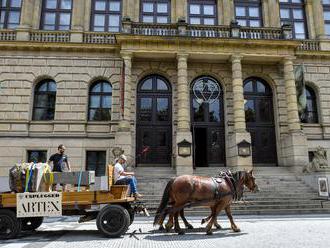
{"x":195,"y":234}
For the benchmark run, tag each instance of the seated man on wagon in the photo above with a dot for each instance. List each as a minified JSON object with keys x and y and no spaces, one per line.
{"x":127,"y":178}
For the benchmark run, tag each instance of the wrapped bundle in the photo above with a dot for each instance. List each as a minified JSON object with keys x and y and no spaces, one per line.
{"x":29,"y":177}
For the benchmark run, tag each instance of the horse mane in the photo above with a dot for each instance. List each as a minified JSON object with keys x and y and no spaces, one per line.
{"x":237,"y":176}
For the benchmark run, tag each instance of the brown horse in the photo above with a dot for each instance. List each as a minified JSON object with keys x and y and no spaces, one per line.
{"x":217,"y":193}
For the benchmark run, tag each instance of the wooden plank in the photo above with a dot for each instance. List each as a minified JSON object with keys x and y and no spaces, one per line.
{"x":110,"y":175}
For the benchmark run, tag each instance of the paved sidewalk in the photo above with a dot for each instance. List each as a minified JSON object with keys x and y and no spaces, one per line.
{"x":257,"y":232}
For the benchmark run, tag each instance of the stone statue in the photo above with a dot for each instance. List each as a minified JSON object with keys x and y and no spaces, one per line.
{"x":319,"y":161}
{"x":300,"y":89}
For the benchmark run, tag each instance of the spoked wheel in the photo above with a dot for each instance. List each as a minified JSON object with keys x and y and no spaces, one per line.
{"x":10,"y":226}
{"x":113,"y":221}
{"x":31,"y":224}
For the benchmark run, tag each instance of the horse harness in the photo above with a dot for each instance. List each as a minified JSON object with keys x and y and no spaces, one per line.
{"x":229,"y":180}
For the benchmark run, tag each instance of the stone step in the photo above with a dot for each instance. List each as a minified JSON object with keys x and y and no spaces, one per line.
{"x":259,"y":212}
{"x":259,"y":206}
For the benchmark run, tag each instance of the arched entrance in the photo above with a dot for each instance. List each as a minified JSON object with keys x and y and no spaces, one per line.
{"x":207,"y":119}
{"x":259,"y":116}
{"x":154,"y":122}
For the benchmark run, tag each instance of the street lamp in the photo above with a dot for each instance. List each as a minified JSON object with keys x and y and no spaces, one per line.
{"x":244,"y":148}
{"x":184,"y":148}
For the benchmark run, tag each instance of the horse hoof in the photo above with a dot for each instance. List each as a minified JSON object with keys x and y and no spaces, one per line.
{"x":180,"y":232}
{"x":190,"y":227}
{"x":237,"y":230}
{"x":209,"y":233}
{"x":218,"y":227}
{"x":202,"y":222}
{"x":161,"y":228}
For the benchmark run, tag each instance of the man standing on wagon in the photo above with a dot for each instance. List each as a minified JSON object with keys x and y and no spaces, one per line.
{"x":122,"y":177}
{"x":60,"y":163}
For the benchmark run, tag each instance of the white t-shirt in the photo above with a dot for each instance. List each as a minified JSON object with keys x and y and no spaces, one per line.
{"x":117,"y":171}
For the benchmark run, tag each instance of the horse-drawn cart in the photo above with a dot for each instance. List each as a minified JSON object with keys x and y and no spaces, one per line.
{"x":111,"y":208}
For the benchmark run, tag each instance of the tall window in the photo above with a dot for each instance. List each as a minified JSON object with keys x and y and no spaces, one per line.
{"x":202,"y":12}
{"x":248,"y":13}
{"x":10,"y":12}
{"x":37,"y":156}
{"x":44,"y":100}
{"x":310,"y":114}
{"x":293,"y":12}
{"x":106,"y":15}
{"x":95,"y":161}
{"x":155,"y":11}
{"x":100,"y":101}
{"x":56,"y":15}
{"x":326,"y":13}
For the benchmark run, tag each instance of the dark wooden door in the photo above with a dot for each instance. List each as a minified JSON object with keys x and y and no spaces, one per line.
{"x":259,"y":116}
{"x":207,"y":120}
{"x":154,"y":122}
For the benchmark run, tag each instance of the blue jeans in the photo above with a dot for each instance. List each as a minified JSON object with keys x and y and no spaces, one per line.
{"x":131,"y":181}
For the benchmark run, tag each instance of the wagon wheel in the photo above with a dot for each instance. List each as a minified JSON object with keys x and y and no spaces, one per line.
{"x":113,"y":221}
{"x":131,"y":213}
{"x":31,"y":224}
{"x":10,"y":226}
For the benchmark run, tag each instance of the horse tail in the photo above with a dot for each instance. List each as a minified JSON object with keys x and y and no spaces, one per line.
{"x":166,"y":196}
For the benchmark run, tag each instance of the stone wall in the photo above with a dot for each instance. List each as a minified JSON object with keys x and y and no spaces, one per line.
{"x":73,"y":74}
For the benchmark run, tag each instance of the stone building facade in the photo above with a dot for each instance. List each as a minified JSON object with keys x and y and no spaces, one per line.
{"x":251,"y":65}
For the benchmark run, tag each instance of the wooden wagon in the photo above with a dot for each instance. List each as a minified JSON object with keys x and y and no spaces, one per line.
{"x":111,"y":208}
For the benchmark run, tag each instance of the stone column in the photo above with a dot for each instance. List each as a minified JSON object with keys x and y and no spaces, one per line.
{"x":229,"y":12}
{"x":27,"y":11}
{"x":181,"y":7}
{"x":295,"y":143}
{"x":240,"y":133}
{"x":318,"y":17}
{"x":274,"y":13}
{"x":310,"y":19}
{"x":77,"y":23}
{"x":291,"y":96}
{"x":123,"y":137}
{"x":183,"y":164}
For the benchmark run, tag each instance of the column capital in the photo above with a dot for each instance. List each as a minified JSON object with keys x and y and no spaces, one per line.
{"x":288,"y":59}
{"x":236,"y":57}
{"x":126,"y":54}
{"x":180,"y":56}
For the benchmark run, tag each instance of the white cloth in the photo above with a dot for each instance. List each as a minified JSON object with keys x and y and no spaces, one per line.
{"x":117,"y":171}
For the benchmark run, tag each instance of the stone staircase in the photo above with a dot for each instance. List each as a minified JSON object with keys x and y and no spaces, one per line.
{"x":281,"y":192}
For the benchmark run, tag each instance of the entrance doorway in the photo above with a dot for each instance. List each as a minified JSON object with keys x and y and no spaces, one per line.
{"x":207,"y":120}
{"x":200,"y":141}
{"x":154,"y":122}
{"x":259,"y":116}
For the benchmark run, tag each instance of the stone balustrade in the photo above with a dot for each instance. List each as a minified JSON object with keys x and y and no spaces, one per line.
{"x":7,"y":35}
{"x":309,"y":45}
{"x":99,"y":38}
{"x":50,"y":36}
{"x":173,"y":29}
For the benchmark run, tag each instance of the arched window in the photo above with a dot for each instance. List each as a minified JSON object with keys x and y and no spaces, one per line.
{"x":310,"y":114}
{"x":44,"y":100}
{"x":100,"y":101}
{"x":10,"y":12}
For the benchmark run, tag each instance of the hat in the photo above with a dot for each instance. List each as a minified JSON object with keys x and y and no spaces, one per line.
{"x":123,"y":157}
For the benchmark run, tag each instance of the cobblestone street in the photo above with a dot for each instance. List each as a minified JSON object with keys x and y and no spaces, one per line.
{"x":257,"y":231}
